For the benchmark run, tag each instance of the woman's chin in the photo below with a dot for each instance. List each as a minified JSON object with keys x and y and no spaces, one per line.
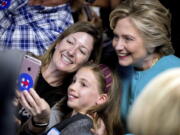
{"x":124,"y":64}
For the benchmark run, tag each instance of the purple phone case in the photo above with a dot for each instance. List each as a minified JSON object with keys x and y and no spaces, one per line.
{"x":29,"y":72}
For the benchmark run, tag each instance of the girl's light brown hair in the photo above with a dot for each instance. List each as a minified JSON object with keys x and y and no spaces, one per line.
{"x":110,"y":111}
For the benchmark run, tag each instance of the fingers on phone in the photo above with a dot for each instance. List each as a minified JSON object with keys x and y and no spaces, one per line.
{"x":28,"y":102}
{"x":23,"y":101}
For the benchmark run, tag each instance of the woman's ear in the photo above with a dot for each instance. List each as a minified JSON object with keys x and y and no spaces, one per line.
{"x":56,"y":47}
{"x":58,"y":44}
{"x":102,"y":99}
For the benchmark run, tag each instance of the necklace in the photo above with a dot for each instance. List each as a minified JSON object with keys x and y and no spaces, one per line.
{"x":149,"y":64}
{"x":154,"y":61}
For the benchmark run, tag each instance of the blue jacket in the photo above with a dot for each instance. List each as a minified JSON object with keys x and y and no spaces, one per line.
{"x":134,"y":81}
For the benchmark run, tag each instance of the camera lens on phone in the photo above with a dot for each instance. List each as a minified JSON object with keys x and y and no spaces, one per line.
{"x":29,"y":69}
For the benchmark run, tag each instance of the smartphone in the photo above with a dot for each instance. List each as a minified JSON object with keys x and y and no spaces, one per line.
{"x":29,"y":72}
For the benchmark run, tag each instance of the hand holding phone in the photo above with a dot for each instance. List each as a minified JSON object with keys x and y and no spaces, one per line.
{"x":29,"y":73}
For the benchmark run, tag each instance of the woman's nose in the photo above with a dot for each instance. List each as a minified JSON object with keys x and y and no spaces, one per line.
{"x":72,"y":51}
{"x":119,"y":45}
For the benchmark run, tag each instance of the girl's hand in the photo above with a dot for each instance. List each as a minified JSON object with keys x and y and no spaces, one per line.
{"x":99,"y":126}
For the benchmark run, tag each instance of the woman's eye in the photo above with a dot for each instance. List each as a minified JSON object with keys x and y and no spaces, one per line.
{"x":115,"y":37}
{"x":70,"y":42}
{"x":83,"y":51}
{"x":128,"y":38}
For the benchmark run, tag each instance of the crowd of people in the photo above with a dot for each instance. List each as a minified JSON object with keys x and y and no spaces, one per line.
{"x":96,"y":78}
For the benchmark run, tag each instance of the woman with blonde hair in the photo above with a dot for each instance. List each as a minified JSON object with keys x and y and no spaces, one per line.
{"x":142,"y":41}
{"x":156,"y":111}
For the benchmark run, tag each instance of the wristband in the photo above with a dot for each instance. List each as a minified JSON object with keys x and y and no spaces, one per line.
{"x":38,"y":124}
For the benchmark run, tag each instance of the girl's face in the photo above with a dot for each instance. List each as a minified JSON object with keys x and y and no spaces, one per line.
{"x":83,"y":93}
{"x":129,"y":44}
{"x":73,"y":51}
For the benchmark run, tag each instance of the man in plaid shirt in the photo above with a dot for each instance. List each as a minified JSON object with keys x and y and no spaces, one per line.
{"x":33,"y":25}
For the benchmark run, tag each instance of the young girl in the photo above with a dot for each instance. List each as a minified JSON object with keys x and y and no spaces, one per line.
{"x":93,"y":95}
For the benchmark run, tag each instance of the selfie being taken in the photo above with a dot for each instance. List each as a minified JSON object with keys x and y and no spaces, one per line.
{"x":87,"y":67}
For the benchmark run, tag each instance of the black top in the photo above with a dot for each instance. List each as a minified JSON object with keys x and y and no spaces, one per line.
{"x":49,"y":93}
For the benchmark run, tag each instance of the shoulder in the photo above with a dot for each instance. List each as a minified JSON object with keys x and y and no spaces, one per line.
{"x":170,"y":58}
{"x":79,"y":126}
{"x":169,"y":61}
{"x":55,"y":117}
{"x":165,"y":63}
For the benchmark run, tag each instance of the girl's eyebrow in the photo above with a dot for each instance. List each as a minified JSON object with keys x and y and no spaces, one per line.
{"x":84,"y":80}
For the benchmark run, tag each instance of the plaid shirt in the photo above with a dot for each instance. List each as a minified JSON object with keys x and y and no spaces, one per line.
{"x":32,"y":28}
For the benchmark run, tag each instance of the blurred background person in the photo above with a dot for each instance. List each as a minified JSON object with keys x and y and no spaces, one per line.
{"x":33,"y":25}
{"x":156,"y":111}
{"x":9,"y":68}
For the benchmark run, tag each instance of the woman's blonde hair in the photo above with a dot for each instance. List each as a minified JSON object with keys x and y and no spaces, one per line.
{"x":77,"y":27}
{"x":157,"y":109}
{"x":153,"y":21}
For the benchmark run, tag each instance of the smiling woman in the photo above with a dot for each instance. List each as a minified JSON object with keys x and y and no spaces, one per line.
{"x":142,"y":41}
{"x":78,"y":44}
{"x":72,"y":51}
